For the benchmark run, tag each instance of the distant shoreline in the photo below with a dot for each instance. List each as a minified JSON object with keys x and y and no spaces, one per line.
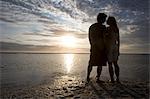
{"x":66,"y":53}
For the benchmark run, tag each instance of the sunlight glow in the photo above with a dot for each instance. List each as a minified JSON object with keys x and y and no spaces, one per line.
{"x":68,"y":60}
{"x":68,"y":41}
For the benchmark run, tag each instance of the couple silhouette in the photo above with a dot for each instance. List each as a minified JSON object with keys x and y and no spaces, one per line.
{"x":105,"y":44}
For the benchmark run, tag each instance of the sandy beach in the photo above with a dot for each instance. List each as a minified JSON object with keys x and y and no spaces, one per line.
{"x":62,"y":76}
{"x":73,"y":87}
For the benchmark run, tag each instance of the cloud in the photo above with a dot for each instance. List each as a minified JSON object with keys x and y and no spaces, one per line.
{"x":135,"y":5}
{"x":140,"y":48}
{"x":15,"y":47}
{"x":37,"y":34}
{"x":37,"y":21}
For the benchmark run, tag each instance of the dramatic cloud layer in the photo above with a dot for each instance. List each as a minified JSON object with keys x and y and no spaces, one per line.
{"x":30,"y":23}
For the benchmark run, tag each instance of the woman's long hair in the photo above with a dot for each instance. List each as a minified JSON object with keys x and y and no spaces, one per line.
{"x":113,"y":23}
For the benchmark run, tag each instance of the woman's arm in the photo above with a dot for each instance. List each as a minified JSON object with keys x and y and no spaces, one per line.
{"x":118,"y":41}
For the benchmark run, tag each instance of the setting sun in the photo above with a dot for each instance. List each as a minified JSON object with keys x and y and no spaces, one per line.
{"x":68,"y":41}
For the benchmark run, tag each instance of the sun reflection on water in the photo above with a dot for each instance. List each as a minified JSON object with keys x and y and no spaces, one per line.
{"x":68,"y":60}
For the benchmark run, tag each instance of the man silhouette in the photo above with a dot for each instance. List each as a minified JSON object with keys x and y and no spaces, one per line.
{"x":97,"y":51}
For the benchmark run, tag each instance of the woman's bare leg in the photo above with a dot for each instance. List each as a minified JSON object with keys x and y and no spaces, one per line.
{"x":111,"y":72}
{"x":117,"y":70}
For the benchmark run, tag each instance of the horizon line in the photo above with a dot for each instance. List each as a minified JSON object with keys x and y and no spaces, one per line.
{"x":59,"y":53}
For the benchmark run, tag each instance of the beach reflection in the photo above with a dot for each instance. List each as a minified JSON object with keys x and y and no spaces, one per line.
{"x":68,"y":60}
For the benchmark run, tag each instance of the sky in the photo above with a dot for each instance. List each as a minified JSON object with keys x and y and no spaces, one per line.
{"x":62,"y":25}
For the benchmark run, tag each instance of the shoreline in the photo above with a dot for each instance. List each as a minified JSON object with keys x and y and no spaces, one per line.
{"x":1,"y":52}
{"x":71,"y":86}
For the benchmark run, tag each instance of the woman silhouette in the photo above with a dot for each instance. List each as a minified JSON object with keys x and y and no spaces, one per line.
{"x":112,"y":43}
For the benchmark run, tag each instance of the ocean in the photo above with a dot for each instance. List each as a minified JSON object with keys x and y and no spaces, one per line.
{"x":28,"y":69}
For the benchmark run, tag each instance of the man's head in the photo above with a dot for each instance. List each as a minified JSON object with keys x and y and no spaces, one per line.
{"x":101,"y":18}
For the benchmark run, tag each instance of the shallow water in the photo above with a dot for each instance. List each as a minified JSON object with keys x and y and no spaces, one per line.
{"x":21,"y":69}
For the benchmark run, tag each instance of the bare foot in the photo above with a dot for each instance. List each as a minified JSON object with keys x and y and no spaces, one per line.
{"x":88,"y":79}
{"x":99,"y":81}
{"x":117,"y":80}
{"x":111,"y":81}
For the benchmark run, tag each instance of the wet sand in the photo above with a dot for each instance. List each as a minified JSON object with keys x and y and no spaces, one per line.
{"x":73,"y":87}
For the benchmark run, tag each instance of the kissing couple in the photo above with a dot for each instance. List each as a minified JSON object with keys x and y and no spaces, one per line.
{"x":105,"y":43}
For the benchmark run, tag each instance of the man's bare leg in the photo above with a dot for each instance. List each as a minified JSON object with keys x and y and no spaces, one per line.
{"x":99,"y":70}
{"x":88,"y":72}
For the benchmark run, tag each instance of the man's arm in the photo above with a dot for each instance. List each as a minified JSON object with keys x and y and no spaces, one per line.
{"x":90,"y":36}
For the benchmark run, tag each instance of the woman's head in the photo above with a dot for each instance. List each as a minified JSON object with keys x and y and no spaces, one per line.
{"x":113,"y":24}
{"x":111,"y":21}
